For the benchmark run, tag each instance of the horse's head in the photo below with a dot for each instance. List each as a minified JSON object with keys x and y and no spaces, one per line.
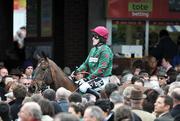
{"x":49,"y":73}
{"x":43,"y":71}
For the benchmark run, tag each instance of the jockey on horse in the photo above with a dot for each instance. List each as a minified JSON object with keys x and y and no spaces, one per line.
{"x":95,"y":71}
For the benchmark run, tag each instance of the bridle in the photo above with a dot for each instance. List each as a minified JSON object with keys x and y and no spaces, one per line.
{"x":43,"y":67}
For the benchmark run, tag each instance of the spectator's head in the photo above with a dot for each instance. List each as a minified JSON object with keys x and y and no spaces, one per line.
{"x":65,"y":117}
{"x":166,"y":61}
{"x":127,"y":78}
{"x":4,"y":111}
{"x":3,"y":71}
{"x":6,"y":81}
{"x":163,"y":33}
{"x":144,"y":75}
{"x":134,"y":78}
{"x":123,"y":113}
{"x":137,"y":66}
{"x":62,"y":93}
{"x":93,"y":113}
{"x":163,"y":104}
{"x":148,"y":104}
{"x":19,"y":91}
{"x":49,"y":94}
{"x":36,"y":97}
{"x":162,"y":78}
{"x":116,"y":97}
{"x":176,"y":96}
{"x":16,"y":74}
{"x":114,"y":79}
{"x":89,"y":97}
{"x":127,"y":93}
{"x":109,"y":88}
{"x":136,"y":98}
{"x":27,"y":99}
{"x":153,"y":78}
{"x":137,"y":94}
{"x":173,"y":86}
{"x":75,"y":97}
{"x":105,"y":104}
{"x":139,"y":82}
{"x":76,"y":109}
{"x":152,"y":62}
{"x":30,"y":111}
{"x":28,"y":67}
{"x":47,"y":107}
{"x":67,"y":71}
{"x":26,"y":82}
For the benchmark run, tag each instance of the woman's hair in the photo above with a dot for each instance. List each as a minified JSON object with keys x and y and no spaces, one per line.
{"x":47,"y":107}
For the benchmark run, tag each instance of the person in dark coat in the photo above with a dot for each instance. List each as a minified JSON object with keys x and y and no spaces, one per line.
{"x":165,"y":47}
{"x":106,"y":105}
{"x":171,"y":72}
{"x":5,"y":111}
{"x":50,"y":94}
{"x":177,"y":118}
{"x":124,"y":112}
{"x":175,"y":112}
{"x":19,"y":92}
{"x":162,"y":108}
{"x":2,"y":91}
{"x":62,"y":95}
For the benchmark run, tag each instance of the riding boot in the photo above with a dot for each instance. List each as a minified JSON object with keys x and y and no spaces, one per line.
{"x":95,"y":93}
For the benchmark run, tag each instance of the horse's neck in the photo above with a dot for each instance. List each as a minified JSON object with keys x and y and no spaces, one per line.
{"x":59,"y":77}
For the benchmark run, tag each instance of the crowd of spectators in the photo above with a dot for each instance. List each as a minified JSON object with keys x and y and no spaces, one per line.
{"x":145,"y":92}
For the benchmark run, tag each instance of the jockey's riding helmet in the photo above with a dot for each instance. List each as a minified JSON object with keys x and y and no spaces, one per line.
{"x":101,"y":31}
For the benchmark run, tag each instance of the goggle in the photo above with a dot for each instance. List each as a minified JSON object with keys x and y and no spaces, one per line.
{"x":95,"y":36}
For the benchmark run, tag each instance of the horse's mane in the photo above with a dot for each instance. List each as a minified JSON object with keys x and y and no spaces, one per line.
{"x":59,"y":77}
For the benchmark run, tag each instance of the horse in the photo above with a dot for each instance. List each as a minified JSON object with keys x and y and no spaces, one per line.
{"x":48,"y":73}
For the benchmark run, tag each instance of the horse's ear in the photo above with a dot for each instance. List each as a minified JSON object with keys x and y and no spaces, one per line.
{"x":44,"y":55}
{"x":38,"y":57}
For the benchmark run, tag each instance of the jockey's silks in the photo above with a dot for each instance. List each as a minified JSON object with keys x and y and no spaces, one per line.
{"x":98,"y":63}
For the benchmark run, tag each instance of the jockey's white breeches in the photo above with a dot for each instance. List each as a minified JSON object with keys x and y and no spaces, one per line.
{"x":85,"y":85}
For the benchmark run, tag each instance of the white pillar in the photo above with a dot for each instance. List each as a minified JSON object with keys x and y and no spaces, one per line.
{"x":109,"y":27}
{"x":147,"y":38}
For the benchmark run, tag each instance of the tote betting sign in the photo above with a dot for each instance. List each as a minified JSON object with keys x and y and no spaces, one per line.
{"x":143,"y":10}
